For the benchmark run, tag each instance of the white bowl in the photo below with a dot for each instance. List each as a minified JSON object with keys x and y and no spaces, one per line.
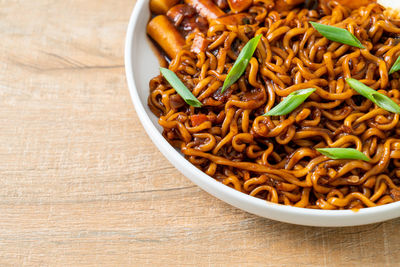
{"x":141,"y":65}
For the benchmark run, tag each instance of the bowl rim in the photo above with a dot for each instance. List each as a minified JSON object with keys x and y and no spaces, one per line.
{"x":226,"y":193}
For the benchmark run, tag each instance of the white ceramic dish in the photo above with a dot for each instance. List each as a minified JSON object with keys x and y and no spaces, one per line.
{"x":141,"y":65}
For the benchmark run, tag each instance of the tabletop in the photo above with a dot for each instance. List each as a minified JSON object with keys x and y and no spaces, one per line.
{"x":82,"y":184}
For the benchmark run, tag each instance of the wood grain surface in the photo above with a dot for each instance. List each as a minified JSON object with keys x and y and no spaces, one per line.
{"x":82,"y":184}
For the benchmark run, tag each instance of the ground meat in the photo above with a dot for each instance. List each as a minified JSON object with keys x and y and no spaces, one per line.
{"x":395,"y":194}
{"x":176,"y":101}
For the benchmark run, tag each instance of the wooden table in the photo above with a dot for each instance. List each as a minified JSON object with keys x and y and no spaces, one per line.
{"x":82,"y":184}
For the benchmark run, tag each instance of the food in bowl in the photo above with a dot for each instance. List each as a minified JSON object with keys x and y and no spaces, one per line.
{"x":295,"y":102}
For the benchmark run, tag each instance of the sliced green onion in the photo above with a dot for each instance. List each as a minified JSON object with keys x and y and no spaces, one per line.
{"x":180,"y":88}
{"x":337,"y":34}
{"x":343,"y":153}
{"x":292,"y":101}
{"x":241,"y":62}
{"x":396,"y":66}
{"x":379,"y":99}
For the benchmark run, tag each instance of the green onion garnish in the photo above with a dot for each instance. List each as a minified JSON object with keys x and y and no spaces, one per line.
{"x":292,"y":101}
{"x":337,"y":34}
{"x":180,"y":88}
{"x":379,"y":99}
{"x":343,"y":153}
{"x":241,"y":62}
{"x":396,"y":66}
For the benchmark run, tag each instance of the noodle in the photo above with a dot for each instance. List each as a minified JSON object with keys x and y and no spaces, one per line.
{"x":275,"y":158}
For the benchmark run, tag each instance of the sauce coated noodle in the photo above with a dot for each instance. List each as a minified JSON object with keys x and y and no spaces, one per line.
{"x":274,"y":158}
